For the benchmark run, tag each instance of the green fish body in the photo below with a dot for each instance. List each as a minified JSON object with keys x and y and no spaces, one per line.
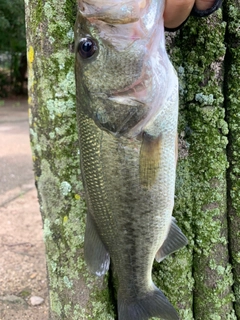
{"x":127,"y":111}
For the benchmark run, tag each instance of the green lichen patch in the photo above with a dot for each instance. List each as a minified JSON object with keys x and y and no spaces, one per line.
{"x":54,"y":142}
{"x":203,"y":126}
{"x":232,"y":93}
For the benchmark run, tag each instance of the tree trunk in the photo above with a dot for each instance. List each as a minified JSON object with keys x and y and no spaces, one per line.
{"x":232,"y":104}
{"x":198,"y":279}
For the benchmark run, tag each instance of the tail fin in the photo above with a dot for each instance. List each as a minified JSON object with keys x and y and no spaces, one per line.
{"x":153,"y":304}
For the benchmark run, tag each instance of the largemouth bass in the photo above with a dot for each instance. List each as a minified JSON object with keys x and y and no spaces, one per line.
{"x":127,"y":112}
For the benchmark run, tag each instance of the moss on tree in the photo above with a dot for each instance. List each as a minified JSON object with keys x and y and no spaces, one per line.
{"x":198,"y":52}
{"x":74,"y":294}
{"x":232,"y":104}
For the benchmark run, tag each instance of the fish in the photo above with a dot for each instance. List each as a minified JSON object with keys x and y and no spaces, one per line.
{"x":127,"y":115}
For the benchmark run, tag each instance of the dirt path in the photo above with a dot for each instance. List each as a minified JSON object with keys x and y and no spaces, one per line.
{"x":22,"y":260}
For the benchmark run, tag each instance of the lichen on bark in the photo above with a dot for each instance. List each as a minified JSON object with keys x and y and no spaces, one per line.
{"x":205,"y":115}
{"x":201,"y":189}
{"x":232,"y":103}
{"x":74,"y":294}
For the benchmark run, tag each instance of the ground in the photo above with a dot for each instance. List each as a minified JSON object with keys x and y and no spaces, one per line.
{"x":22,"y":259}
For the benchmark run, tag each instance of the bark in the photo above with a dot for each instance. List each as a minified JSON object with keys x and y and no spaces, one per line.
{"x":198,"y":279}
{"x":232,"y":94}
{"x":202,"y":52}
{"x":74,"y":294}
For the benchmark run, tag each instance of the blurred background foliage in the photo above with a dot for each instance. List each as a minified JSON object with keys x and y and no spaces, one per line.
{"x":13,"y":60}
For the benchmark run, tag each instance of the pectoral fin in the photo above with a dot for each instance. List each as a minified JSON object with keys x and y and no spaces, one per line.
{"x":95,"y":254}
{"x":174,"y":241}
{"x":150,"y":155}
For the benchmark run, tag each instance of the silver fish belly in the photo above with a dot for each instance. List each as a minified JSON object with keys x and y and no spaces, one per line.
{"x":127,"y":111}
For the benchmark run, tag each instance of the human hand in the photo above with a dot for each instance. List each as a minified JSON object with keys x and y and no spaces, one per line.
{"x":177,"y":11}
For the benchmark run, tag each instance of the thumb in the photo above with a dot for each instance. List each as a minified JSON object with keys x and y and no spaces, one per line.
{"x":176,"y":12}
{"x":204,"y":4}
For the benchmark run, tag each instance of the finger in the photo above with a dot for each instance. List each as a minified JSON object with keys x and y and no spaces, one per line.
{"x":177,"y":11}
{"x":204,"y":4}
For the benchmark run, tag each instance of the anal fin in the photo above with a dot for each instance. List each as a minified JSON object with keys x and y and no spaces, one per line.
{"x":174,"y":241}
{"x":95,"y":254}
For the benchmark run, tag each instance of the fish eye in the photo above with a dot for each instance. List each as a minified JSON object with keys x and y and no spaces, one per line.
{"x":87,"y":47}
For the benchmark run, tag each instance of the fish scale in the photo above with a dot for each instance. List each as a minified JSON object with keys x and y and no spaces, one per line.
{"x":93,"y":175}
{"x":127,"y":114}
